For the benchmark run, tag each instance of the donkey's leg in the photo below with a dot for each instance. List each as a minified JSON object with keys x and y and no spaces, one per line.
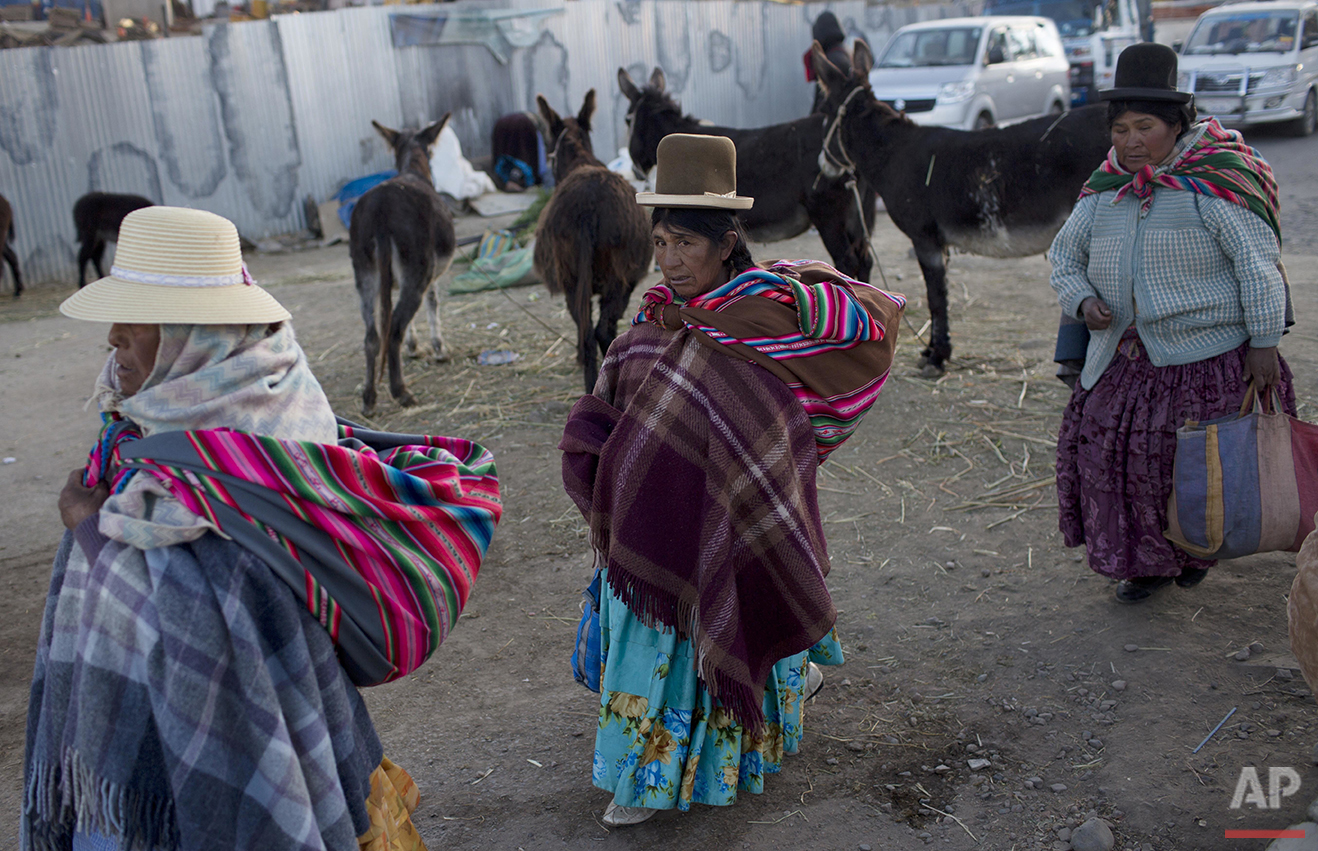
{"x":368,"y":290}
{"x":410,"y":294}
{"x":932,"y":256}
{"x":84,"y":257}
{"x":843,"y":234}
{"x":432,"y":311}
{"x":613,"y":303}
{"x":12,"y":259}
{"x":98,"y":254}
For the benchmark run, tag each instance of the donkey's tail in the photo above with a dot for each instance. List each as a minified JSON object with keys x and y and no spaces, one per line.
{"x":580,"y":295}
{"x":384,"y":268}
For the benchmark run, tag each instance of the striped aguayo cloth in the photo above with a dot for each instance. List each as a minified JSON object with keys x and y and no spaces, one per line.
{"x":829,"y":338}
{"x":380,"y":536}
{"x":1216,"y":161}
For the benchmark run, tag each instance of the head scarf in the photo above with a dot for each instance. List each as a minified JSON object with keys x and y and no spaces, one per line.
{"x":1210,"y":160}
{"x":251,"y":378}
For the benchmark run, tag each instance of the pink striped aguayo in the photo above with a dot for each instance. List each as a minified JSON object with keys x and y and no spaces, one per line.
{"x":411,"y":515}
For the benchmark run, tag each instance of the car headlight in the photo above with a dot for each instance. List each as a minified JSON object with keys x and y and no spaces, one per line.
{"x":956,"y":92}
{"x":1278,"y":77}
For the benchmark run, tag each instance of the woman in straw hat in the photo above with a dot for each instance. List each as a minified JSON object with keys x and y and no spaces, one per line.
{"x":1171,"y":257}
{"x":236,"y":563}
{"x":694,"y":462}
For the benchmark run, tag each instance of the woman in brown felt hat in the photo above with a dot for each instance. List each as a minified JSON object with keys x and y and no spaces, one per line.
{"x":1171,"y":257}
{"x":694,"y":461}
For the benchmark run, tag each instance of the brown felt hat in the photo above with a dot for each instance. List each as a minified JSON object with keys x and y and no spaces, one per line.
{"x":696,"y":171}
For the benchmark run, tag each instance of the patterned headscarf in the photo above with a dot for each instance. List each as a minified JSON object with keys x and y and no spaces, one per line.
{"x":244,"y":377}
{"x":1211,"y":160}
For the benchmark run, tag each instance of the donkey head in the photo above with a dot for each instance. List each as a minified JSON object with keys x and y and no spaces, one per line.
{"x":568,"y":139}
{"x":412,"y":147}
{"x":852,"y":115}
{"x":652,"y":115}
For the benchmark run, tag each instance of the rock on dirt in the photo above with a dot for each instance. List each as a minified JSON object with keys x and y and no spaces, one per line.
{"x":1093,"y":835}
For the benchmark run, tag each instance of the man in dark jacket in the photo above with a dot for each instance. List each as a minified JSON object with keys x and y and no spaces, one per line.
{"x":828,"y":32}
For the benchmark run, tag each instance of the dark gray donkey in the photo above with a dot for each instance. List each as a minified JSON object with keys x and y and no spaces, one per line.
{"x":97,"y":216}
{"x":1000,"y":192}
{"x":7,"y":250}
{"x":593,"y":238}
{"x":401,"y":231}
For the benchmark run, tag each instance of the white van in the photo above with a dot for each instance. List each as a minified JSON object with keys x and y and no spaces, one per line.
{"x":1255,"y":63}
{"x":973,"y":73}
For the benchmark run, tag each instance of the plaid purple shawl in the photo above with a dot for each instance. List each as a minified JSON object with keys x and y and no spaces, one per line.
{"x":695,"y":468}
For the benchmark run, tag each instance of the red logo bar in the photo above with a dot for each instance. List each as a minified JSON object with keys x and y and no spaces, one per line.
{"x":1265,"y":834}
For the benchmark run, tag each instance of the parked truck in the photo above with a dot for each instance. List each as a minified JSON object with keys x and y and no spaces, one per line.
{"x":1093,"y":33}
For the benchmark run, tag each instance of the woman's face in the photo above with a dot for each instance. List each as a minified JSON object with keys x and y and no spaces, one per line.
{"x":134,"y":354}
{"x":691,"y":264}
{"x":1142,"y":139}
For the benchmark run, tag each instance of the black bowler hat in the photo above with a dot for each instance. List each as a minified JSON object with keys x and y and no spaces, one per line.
{"x":1146,"y":71}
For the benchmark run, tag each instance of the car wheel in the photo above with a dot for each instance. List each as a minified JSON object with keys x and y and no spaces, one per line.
{"x":1308,"y":120}
{"x":983,"y":121}
{"x":1056,"y":108}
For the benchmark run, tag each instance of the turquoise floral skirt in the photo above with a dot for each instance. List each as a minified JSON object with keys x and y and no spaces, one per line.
{"x":663,"y":741}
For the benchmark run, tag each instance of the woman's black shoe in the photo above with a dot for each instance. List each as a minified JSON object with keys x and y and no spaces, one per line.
{"x":1191,"y":577}
{"x":1140,"y":588}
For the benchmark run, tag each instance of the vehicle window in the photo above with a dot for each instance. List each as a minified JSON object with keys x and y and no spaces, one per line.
{"x":1043,"y":43}
{"x":925,"y":48}
{"x":1020,"y":41}
{"x":1244,"y":32}
{"x":997,"y":50}
{"x":1310,"y":30}
{"x":1073,"y":17}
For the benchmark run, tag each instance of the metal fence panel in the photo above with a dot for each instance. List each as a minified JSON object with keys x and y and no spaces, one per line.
{"x":252,"y":117}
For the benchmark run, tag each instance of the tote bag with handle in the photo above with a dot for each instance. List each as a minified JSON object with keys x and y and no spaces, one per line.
{"x":1245,"y":483}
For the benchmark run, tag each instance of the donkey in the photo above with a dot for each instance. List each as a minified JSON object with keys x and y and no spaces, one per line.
{"x":403,"y":225}
{"x":7,"y":250}
{"x":592,"y":237}
{"x":778,"y":166}
{"x":97,"y":216}
{"x":1000,"y":192}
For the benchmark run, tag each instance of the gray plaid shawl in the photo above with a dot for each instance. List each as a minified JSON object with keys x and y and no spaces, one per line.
{"x":183,"y":699}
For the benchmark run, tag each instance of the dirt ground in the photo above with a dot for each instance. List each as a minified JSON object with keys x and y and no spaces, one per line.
{"x":970,"y":632}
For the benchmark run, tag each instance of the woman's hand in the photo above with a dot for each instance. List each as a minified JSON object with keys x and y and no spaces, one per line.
{"x":1264,"y":370}
{"x":1098,"y":316}
{"x":77,"y":503}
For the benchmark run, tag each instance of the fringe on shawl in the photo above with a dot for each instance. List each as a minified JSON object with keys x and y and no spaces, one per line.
{"x":133,"y":820}
{"x":644,"y":601}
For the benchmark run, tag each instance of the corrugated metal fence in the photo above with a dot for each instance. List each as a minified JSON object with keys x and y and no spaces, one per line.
{"x":250,"y":118}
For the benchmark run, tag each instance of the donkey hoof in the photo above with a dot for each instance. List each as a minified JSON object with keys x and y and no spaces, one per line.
{"x":440,"y":356}
{"x":922,"y":360}
{"x":931,"y":370}
{"x":368,"y":409}
{"x":406,"y":399}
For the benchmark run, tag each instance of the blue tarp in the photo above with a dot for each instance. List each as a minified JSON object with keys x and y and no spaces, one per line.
{"x":354,"y":189}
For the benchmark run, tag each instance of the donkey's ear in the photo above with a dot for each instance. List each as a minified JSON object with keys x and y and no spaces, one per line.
{"x":390,"y":136}
{"x":587,"y":110}
{"x":657,"y":79}
{"x":553,"y":123}
{"x":862,"y":60}
{"x":830,"y":77}
{"x":628,"y":86}
{"x":428,"y":136}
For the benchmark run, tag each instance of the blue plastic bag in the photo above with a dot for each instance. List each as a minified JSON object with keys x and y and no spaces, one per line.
{"x":586,"y":649}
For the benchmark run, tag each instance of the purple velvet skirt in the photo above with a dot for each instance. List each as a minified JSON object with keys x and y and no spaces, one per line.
{"x":1117,"y":446}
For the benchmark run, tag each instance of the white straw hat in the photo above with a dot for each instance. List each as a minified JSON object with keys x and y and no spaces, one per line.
{"x":178,"y":266}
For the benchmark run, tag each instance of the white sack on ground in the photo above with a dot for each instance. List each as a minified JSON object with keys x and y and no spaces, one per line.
{"x":453,"y":173}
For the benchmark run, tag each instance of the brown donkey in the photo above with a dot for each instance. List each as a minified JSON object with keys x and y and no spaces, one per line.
{"x":7,"y":250}
{"x":593,"y":238}
{"x":401,"y":225}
